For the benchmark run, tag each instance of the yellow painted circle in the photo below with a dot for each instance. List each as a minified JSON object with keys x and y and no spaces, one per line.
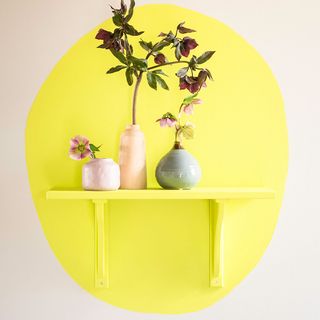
{"x":158,"y":250}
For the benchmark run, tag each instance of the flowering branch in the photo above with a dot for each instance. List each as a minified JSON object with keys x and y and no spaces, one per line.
{"x":182,"y":129}
{"x":117,"y":42}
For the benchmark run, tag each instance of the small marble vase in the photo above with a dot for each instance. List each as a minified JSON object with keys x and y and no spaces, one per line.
{"x":101,"y":174}
{"x":132,"y":159}
{"x":178,"y":169}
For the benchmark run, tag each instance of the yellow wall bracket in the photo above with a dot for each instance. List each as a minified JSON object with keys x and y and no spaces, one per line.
{"x":215,"y":196}
{"x":101,"y":242}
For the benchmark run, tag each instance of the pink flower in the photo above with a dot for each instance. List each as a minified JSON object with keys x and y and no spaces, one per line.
{"x":79,"y":148}
{"x":167,"y":120}
{"x":188,"y":109}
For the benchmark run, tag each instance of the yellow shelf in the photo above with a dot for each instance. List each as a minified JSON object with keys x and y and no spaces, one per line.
{"x":194,"y":194}
{"x":216,"y":197}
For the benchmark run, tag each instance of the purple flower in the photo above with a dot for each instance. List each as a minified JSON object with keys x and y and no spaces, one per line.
{"x":79,"y":148}
{"x":108,"y":39}
{"x":104,"y":35}
{"x":190,"y":83}
{"x":160,"y":58}
{"x":183,"y":84}
{"x":187,"y":45}
{"x":193,"y":84}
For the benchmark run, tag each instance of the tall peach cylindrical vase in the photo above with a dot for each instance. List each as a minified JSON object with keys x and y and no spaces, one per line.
{"x":132,"y":159}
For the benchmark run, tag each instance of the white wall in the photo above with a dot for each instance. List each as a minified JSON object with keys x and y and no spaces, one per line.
{"x":285,"y":285}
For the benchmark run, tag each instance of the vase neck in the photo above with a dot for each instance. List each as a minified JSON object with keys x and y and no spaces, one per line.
{"x":177,"y":145}
{"x":133,"y":127}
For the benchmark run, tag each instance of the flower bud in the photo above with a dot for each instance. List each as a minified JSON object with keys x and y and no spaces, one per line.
{"x":160,"y":58}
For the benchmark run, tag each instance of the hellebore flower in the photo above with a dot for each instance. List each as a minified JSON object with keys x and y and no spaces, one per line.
{"x":187,"y":45}
{"x":167,"y":120}
{"x":188,"y":109}
{"x":107,"y":37}
{"x":160,"y":58}
{"x":104,"y":35}
{"x":193,"y":84}
{"x":79,"y":148}
{"x":202,"y":77}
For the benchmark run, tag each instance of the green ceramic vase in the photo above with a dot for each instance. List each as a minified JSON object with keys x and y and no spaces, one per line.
{"x":178,"y":169}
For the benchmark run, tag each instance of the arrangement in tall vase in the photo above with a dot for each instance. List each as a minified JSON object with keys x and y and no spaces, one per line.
{"x":132,"y":158}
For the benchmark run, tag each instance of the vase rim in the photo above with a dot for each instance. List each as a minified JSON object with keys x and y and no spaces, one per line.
{"x":104,"y":159}
{"x":133,"y":126}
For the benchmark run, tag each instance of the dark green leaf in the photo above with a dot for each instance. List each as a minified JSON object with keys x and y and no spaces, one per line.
{"x":140,"y":64}
{"x":160,"y":45}
{"x":129,"y":76}
{"x":170,"y":37}
{"x":136,"y":73}
{"x":117,"y":19}
{"x":182,"y":72}
{"x":209,"y":74}
{"x":120,"y":56}
{"x":193,"y":63}
{"x":117,"y":33}
{"x":205,"y":57}
{"x":127,"y":46}
{"x":152,"y":81}
{"x":177,"y":52}
{"x":168,"y":115}
{"x":129,"y":29}
{"x":145,"y":45}
{"x":159,"y":72}
{"x":116,"y":69}
{"x":130,"y":13}
{"x":93,"y":148}
{"x":162,"y":83}
{"x":183,"y":29}
{"x":102,"y":46}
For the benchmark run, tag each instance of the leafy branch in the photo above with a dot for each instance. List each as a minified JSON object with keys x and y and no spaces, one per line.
{"x":117,"y":42}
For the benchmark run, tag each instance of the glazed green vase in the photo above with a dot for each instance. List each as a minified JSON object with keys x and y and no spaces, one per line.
{"x":178,"y":169}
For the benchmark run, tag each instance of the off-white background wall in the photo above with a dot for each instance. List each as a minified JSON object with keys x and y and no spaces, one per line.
{"x":285,"y":284}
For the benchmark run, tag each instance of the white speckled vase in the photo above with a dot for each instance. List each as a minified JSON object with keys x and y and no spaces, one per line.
{"x":101,"y":174}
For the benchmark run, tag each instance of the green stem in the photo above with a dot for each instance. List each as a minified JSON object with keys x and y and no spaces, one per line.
{"x":176,"y":136}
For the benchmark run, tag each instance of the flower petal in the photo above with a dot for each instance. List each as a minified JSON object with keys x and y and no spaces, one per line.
{"x":85,"y":154}
{"x":188,"y":109}
{"x":74,"y":153}
{"x":83,"y":140}
{"x":171,"y":122}
{"x":163,"y":123}
{"x":197,"y":101}
{"x":74,"y":142}
{"x":194,"y":87}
